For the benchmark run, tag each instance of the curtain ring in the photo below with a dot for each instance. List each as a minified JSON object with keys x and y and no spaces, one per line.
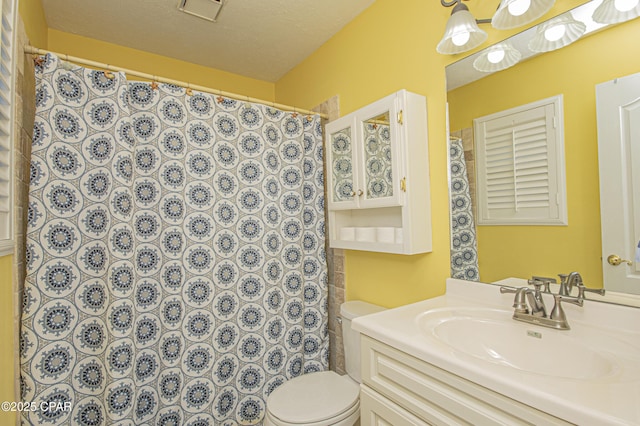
{"x":38,"y":60}
{"x":108,"y":74}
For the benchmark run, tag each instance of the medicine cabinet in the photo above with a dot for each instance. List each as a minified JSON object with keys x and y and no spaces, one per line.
{"x":378,"y":177}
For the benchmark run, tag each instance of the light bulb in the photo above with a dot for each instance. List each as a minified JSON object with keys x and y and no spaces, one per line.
{"x":625,"y":5}
{"x":495,"y":56}
{"x":519,"y":7}
{"x":555,"y":33}
{"x":461,"y":39}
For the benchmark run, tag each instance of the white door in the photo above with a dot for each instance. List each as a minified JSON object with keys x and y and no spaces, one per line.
{"x":618,"y":110}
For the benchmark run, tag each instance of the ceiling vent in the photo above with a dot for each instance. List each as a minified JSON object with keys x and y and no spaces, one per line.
{"x":205,"y":9}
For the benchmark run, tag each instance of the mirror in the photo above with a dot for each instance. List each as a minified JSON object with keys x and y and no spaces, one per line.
{"x":573,"y":72}
{"x":377,"y":153}
{"x":342,"y":167}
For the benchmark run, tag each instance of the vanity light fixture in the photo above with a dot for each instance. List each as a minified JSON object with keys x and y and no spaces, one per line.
{"x":497,"y":58}
{"x":462,"y":32}
{"x":515,"y":13}
{"x":556,"y":33}
{"x":615,"y":11}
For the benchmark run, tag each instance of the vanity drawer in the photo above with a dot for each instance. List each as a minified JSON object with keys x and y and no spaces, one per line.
{"x":437,"y":396}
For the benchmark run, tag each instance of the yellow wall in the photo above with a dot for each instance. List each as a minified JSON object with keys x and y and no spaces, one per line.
{"x":387,"y":48}
{"x":150,"y":63}
{"x":35,"y":24}
{"x":7,"y":346}
{"x":522,"y":251}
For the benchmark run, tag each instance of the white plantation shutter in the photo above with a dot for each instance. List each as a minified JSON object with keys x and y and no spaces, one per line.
{"x":6,"y":124}
{"x":520,"y":163}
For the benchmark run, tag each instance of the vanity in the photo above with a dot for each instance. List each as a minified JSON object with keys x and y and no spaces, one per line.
{"x":462,"y":359}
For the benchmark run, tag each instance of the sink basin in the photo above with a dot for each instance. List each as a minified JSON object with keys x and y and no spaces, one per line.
{"x":491,"y":335}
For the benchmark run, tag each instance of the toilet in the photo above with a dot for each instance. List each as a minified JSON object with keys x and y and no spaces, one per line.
{"x":324,"y":398}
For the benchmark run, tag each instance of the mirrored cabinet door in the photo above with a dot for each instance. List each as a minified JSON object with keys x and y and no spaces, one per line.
{"x":380,"y":165}
{"x":378,"y":170}
{"x":341,"y":164}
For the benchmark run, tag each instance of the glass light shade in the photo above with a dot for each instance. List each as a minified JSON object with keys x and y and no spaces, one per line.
{"x":497,"y":58}
{"x":461,"y":33}
{"x":556,"y":33}
{"x":515,"y":13}
{"x":614,"y":11}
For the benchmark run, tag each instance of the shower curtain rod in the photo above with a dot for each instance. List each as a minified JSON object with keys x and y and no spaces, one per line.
{"x":94,"y":64}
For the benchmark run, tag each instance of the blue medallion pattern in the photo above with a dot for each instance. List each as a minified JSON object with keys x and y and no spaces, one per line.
{"x":378,"y":165}
{"x":464,"y":251}
{"x":175,"y":253}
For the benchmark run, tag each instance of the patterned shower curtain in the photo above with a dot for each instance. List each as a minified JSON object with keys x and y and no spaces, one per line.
{"x":175,"y":251}
{"x":464,"y":250}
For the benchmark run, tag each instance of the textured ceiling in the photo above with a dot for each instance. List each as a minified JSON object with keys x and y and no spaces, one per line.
{"x":262,"y":39}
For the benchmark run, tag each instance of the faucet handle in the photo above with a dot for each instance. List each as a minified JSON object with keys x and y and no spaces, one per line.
{"x":547,"y":279}
{"x":557,"y":313}
{"x":507,"y":289}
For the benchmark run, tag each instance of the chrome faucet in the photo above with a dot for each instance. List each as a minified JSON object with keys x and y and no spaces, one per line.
{"x":568,"y":281}
{"x":574,"y":279}
{"x":535,"y":312}
{"x":535,"y":300}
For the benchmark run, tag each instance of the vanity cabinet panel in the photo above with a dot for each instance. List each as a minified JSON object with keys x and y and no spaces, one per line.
{"x":379,"y":411}
{"x":378,"y":177}
{"x":436,"y":396}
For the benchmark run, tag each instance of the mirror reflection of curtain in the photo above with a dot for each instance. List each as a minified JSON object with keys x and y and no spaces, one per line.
{"x":464,"y":251}
{"x":379,"y":178}
{"x":176,"y":271}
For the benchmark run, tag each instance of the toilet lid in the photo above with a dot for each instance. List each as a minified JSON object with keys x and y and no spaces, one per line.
{"x":313,"y":397}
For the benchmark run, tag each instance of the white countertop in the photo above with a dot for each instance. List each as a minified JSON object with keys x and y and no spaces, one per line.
{"x":613,"y":399}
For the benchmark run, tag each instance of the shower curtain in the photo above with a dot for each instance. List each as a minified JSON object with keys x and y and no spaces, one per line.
{"x":464,"y":251}
{"x":176,"y":264}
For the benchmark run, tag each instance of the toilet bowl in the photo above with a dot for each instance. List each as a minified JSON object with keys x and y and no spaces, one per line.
{"x":317,"y":399}
{"x":324,"y":398}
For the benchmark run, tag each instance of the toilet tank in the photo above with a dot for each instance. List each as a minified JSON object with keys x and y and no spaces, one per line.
{"x":351,"y":338}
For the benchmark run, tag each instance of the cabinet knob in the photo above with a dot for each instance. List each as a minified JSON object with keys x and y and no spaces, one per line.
{"x":360,"y":192}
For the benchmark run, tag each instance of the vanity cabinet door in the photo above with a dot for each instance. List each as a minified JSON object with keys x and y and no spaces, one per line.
{"x":342,"y":164}
{"x":376,"y":410}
